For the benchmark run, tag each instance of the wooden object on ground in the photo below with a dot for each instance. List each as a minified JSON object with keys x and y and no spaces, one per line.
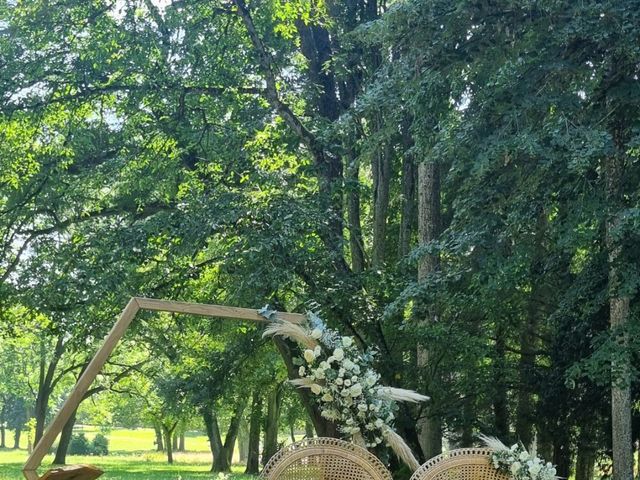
{"x":73,"y":472}
{"x":324,"y":458}
{"x":460,"y":464}
{"x":103,"y":353}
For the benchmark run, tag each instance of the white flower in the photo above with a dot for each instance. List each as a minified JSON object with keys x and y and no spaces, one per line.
{"x":515,"y":468}
{"x":362,"y":407}
{"x":347,"y":383}
{"x":316,"y":333}
{"x":327,"y":397}
{"x":309,"y":355}
{"x":301,"y":371}
{"x":379,"y":423}
{"x":338,"y":353}
{"x":331,"y":359}
{"x":348,"y":364}
{"x":356,"y":390}
{"x":347,"y":341}
{"x":316,"y":389}
{"x":524,"y":456}
{"x":534,"y":470}
{"x":324,"y":366}
{"x":339,"y":381}
{"x":341,"y":372}
{"x":319,"y":373}
{"x":317,"y":351}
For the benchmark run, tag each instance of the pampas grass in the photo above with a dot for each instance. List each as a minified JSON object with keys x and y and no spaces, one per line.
{"x":402,"y":395}
{"x":291,"y":331}
{"x":400,"y":448}
{"x":301,"y":382}
{"x":358,"y":439}
{"x":493,"y":443}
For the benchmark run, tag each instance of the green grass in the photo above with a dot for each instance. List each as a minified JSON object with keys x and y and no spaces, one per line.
{"x":131,"y":457}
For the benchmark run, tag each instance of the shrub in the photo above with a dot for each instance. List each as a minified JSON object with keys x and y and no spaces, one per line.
{"x":100,"y":445}
{"x":79,"y":445}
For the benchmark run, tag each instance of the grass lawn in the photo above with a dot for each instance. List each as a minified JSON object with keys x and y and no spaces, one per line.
{"x":131,"y":457}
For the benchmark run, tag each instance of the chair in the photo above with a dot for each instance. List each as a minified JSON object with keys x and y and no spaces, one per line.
{"x":324,"y":459}
{"x":460,"y":464}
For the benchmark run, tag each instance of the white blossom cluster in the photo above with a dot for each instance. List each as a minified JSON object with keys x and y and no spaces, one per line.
{"x":345,"y":386}
{"x":521,"y":465}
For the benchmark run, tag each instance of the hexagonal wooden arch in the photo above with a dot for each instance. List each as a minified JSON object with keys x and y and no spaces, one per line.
{"x":87,"y":472}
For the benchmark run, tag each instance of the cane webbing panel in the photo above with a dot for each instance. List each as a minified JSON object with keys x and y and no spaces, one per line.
{"x":460,"y":464}
{"x":324,"y":459}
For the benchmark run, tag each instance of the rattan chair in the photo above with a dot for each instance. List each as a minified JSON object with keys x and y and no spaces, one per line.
{"x":460,"y":464}
{"x":324,"y":459}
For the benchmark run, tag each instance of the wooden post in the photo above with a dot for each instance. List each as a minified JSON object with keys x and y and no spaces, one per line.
{"x":109,"y":344}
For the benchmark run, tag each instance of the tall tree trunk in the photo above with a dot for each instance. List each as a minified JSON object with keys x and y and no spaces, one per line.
{"x":274,"y":402}
{"x":408,"y":197}
{"x":65,"y":440}
{"x":356,"y":242}
{"x":586,"y":454}
{"x":181,"y":445}
{"x":500,"y":401}
{"x":167,"y":430}
{"x":220,"y":463}
{"x":562,"y":451}
{"x":381,"y":167}
{"x":308,"y":429}
{"x":16,"y":438}
{"x":159,"y":442}
{"x":619,"y":305}
{"x":243,"y":442}
{"x":46,"y":382}
{"x":234,"y":428}
{"x":3,"y":435}
{"x":253,"y":459}
{"x":430,"y":424}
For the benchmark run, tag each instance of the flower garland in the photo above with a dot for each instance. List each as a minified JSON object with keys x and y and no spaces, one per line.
{"x":345,"y":385}
{"x":517,"y":462}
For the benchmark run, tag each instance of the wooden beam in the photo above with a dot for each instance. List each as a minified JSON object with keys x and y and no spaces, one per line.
{"x":213,"y":310}
{"x":110,"y":342}
{"x":83,"y":384}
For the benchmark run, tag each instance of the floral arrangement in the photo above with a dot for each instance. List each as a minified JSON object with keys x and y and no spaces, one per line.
{"x":345,"y":386}
{"x":517,"y":462}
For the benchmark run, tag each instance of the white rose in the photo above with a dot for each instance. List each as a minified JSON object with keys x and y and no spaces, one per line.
{"x":316,"y":389}
{"x":347,"y":341}
{"x":345,"y":392}
{"x":324,"y":366}
{"x":356,"y":390}
{"x":309,"y":356}
{"x":338,"y":353}
{"x":317,"y":351}
{"x":348,"y":364}
{"x":362,"y":407}
{"x":339,"y":381}
{"x":379,"y":423}
{"x":347,"y":383}
{"x":524,"y":456}
{"x":534,"y":470}
{"x":331,"y":359}
{"x":341,"y":372}
{"x":301,"y":371}
{"x":319,"y":373}
{"x":515,"y":468}
{"x":316,"y":333}
{"x":327,"y":397}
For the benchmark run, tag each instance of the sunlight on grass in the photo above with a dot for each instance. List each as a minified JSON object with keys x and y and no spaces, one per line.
{"x":132,"y":458}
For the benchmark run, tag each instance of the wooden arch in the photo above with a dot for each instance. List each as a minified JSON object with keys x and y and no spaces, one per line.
{"x":86,"y":472}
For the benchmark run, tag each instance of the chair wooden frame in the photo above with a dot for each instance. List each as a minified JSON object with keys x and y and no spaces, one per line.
{"x":329,"y":458}
{"x":460,"y":464}
{"x":95,"y":366}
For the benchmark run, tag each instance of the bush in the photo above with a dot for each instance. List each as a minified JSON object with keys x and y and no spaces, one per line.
{"x":79,"y":445}
{"x":100,"y":445}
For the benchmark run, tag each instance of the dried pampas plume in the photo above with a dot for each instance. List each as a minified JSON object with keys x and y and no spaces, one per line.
{"x":493,"y":443}
{"x":301,"y":382}
{"x":290,"y":331}
{"x":401,"y":449}
{"x":402,"y":395}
